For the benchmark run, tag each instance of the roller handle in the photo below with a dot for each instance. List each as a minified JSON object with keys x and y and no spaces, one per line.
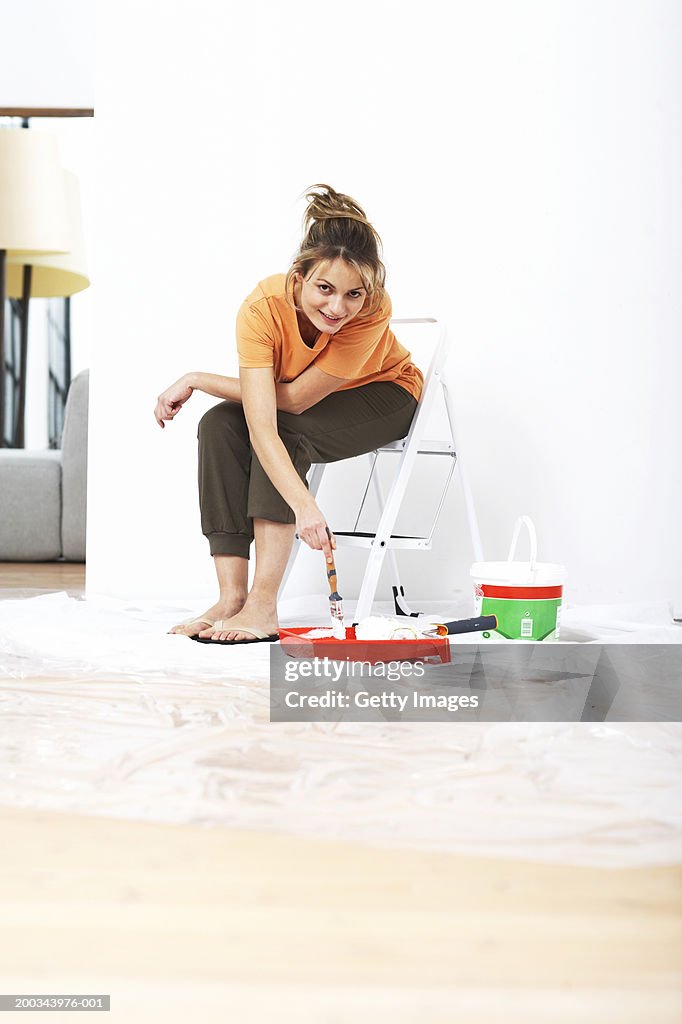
{"x":469,"y":625}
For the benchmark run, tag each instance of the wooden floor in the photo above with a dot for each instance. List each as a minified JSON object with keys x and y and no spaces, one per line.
{"x":183,"y":923}
{"x":45,"y":576}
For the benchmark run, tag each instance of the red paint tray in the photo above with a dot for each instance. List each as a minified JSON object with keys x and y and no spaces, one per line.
{"x":296,"y":645}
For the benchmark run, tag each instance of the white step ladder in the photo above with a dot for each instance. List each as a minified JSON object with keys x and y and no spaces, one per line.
{"x":383,"y":541}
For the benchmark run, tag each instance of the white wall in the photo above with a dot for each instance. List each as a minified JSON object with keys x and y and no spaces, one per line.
{"x":522,"y":163}
{"x":48,"y":59}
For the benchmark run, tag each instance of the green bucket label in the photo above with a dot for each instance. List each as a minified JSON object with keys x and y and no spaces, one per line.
{"x":523,"y":618}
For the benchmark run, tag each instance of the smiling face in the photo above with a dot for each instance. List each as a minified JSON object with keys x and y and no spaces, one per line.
{"x":331,"y":295}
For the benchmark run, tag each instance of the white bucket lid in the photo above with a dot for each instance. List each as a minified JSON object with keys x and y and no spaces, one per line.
{"x":520,"y":574}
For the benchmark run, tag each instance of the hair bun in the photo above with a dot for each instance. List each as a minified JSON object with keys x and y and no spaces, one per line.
{"x":327,"y":204}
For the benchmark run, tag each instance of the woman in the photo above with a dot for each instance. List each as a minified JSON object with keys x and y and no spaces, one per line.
{"x":321,"y":378}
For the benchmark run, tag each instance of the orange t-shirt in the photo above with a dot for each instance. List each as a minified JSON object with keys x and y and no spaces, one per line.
{"x":362,"y":351}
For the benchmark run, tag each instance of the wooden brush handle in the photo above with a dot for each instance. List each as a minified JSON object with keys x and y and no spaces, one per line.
{"x":331,"y":570}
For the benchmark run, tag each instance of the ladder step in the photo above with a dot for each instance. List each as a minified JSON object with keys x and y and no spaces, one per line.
{"x":367,"y":540}
{"x":425,"y":447}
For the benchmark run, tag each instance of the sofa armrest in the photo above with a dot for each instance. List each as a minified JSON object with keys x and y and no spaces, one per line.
{"x":75,"y":469}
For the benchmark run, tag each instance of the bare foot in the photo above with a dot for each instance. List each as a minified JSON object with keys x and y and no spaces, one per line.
{"x":222,"y":609}
{"x":260,"y":615}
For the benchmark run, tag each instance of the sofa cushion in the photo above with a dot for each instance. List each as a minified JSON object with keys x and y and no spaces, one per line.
{"x":30,"y":505}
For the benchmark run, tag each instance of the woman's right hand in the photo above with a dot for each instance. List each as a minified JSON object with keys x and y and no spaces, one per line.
{"x":311,"y":526}
{"x":171,"y":401}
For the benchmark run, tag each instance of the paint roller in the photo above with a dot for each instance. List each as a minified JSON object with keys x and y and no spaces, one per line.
{"x":484,"y":622}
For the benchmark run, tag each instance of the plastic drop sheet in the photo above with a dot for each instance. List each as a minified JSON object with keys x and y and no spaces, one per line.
{"x":104,"y":713}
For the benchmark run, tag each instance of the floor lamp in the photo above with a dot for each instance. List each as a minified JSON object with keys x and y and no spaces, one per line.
{"x":47,"y":276}
{"x":34,"y":216}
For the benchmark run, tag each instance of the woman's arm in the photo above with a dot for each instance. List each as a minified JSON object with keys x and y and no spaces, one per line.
{"x":307,"y":390}
{"x":170,"y":402}
{"x":260,"y":409}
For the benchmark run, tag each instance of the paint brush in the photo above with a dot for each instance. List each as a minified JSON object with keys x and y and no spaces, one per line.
{"x":335,"y":600}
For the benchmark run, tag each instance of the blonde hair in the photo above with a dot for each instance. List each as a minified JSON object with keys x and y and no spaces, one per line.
{"x":336,"y":227}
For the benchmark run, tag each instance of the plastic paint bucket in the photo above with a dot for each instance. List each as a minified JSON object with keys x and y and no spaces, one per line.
{"x":526,"y":597}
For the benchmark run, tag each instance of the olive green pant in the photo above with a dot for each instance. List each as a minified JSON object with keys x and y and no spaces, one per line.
{"x":234,"y":489}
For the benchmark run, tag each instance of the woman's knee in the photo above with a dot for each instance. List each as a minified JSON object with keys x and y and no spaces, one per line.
{"x":226,"y":416}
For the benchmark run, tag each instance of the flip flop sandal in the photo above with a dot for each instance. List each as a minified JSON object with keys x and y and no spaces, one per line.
{"x":188,"y":622}
{"x":258,"y":636}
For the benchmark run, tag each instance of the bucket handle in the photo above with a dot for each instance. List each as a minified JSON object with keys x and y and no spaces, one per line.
{"x":528,"y":523}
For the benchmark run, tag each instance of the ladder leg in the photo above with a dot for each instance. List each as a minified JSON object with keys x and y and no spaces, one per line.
{"x":466,"y":488}
{"x":316,"y":474}
{"x":370,"y":581}
{"x":399,"y":600}
{"x":384,"y":532}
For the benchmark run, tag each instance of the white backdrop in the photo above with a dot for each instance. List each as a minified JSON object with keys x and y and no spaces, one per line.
{"x":48,"y":57}
{"x":522,"y":163}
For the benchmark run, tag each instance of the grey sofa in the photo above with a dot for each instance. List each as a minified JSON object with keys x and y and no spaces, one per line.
{"x":43,"y":493}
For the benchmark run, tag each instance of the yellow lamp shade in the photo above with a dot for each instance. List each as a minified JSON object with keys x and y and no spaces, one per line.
{"x":33,"y":208}
{"x":54,"y":275}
